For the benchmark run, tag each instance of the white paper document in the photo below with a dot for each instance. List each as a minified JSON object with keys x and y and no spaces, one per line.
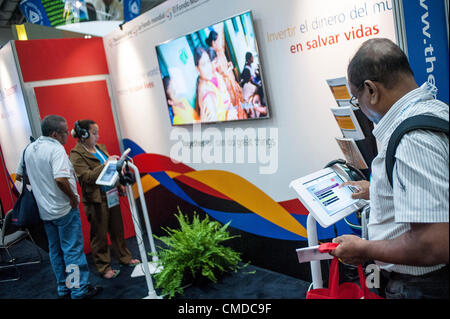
{"x":348,"y":123}
{"x":311,"y":253}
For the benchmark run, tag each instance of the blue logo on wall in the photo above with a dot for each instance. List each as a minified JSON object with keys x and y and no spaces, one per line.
{"x":131,"y":9}
{"x":34,"y":12}
{"x":426,"y":36}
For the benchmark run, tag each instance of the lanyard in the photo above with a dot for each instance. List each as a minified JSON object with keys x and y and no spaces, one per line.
{"x":98,"y":152}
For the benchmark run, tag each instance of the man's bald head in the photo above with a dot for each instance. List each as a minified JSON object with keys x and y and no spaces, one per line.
{"x":379,"y":60}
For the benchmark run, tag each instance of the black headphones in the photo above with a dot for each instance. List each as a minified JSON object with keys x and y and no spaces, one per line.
{"x":354,"y":173}
{"x":81,"y":132}
{"x":127,"y":177}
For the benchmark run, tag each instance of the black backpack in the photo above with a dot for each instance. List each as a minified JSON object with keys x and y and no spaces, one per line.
{"x":25,"y":211}
{"x":425,"y":122}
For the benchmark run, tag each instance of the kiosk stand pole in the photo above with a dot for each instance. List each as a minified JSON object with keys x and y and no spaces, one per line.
{"x":144,"y":211}
{"x":138,"y":271}
{"x":311,"y":224}
{"x":316,"y":272}
{"x":151,"y":290}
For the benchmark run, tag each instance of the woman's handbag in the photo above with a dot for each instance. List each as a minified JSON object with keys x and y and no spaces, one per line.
{"x":25,"y":211}
{"x":348,"y":290}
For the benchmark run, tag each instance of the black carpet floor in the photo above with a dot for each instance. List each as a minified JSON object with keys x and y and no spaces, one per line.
{"x":38,"y":281}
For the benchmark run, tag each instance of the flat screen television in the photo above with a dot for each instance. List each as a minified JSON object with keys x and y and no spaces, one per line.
{"x":214,"y":74}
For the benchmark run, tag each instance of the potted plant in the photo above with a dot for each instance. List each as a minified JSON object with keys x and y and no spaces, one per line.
{"x":194,"y":252}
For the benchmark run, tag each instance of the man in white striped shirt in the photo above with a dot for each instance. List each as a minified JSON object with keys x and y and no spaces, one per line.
{"x":408,"y":225}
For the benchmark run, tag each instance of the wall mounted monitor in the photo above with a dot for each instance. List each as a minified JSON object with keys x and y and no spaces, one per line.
{"x":214,"y":74}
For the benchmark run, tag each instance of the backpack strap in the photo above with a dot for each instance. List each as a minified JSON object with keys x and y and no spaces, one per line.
{"x":26,"y":180}
{"x":424,"y":122}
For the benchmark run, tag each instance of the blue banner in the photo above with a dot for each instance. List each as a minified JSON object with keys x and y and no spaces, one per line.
{"x":426,"y":36}
{"x":34,"y":12}
{"x":131,"y":9}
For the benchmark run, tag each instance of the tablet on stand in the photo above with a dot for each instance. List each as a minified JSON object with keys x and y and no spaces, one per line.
{"x":109,"y":174}
{"x":320,"y":193}
{"x":327,"y":203}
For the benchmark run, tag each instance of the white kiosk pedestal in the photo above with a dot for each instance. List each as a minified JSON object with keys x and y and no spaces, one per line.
{"x":311,"y":224}
{"x":316,"y":272}
{"x":146,"y":268}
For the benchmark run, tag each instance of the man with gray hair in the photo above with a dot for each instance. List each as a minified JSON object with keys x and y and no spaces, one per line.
{"x":408,"y":223}
{"x":53,"y":181}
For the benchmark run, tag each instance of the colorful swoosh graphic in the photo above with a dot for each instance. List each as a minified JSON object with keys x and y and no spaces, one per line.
{"x":263,"y":216}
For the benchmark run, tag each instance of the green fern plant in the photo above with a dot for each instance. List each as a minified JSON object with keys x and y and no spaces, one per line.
{"x":195,"y":249}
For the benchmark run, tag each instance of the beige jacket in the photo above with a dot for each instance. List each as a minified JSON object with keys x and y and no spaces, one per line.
{"x":88,"y":168}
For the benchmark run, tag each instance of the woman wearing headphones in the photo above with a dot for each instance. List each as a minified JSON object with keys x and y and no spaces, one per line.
{"x":101,"y":203}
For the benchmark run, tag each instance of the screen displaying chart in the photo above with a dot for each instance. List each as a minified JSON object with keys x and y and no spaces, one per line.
{"x":325,"y":189}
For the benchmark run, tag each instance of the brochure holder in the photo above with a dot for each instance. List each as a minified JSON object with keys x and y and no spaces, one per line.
{"x":353,"y":122}
{"x":146,"y":268}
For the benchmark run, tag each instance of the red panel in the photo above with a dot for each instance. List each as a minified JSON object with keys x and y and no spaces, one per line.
{"x":88,"y":100}
{"x":5,"y":185}
{"x":294,"y":206}
{"x":148,"y":163}
{"x":61,"y":58}
{"x":79,"y":101}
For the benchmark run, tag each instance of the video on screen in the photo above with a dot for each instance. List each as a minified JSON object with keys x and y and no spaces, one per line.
{"x":214,"y":74}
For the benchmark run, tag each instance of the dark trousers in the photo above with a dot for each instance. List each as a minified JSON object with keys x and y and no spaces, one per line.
{"x":104,"y":221}
{"x":433,"y":285}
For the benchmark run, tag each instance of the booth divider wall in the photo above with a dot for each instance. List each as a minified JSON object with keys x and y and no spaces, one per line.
{"x":69,"y":77}
{"x":15,"y":128}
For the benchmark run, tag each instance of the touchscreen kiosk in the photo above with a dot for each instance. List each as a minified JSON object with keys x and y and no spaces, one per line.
{"x":109,"y":175}
{"x":325,"y":200}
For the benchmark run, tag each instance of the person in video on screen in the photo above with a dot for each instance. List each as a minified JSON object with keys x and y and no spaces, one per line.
{"x":53,"y":181}
{"x":252,"y":95}
{"x":408,"y":232}
{"x":211,"y":104}
{"x":101,"y":203}
{"x":183,"y":112}
{"x":254,"y":71}
{"x":221,"y":82}
{"x":259,"y":110}
{"x":216,"y":41}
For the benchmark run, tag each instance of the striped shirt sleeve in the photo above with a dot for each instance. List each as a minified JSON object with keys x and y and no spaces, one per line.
{"x":421,"y":178}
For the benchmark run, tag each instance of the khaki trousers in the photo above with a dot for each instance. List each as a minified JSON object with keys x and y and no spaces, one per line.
{"x":106,"y":221}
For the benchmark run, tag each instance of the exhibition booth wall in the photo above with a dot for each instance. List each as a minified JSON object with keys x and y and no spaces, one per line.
{"x":240,"y":171}
{"x":235,"y":171}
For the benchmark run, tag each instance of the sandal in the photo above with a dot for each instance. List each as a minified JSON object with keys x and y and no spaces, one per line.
{"x":110,"y":274}
{"x":134,"y":262}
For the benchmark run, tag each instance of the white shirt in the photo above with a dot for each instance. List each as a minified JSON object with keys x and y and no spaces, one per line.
{"x":420,"y":191}
{"x":46,"y":159}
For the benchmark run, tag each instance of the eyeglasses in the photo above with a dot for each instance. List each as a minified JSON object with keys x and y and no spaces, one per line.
{"x":354,"y":100}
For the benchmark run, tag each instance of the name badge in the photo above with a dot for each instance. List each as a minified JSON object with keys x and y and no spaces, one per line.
{"x":112,"y":197}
